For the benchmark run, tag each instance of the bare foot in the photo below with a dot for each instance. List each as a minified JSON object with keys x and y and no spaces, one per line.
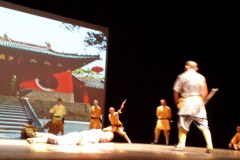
{"x":52,"y":141}
{"x":29,"y":140}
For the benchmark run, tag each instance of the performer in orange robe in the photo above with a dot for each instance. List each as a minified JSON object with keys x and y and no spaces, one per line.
{"x":164,"y":115}
{"x":116,"y":124}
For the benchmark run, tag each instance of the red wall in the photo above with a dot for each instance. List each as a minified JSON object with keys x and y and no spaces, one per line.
{"x":65,"y":83}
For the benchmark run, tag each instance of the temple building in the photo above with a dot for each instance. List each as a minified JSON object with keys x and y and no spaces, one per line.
{"x":35,"y":71}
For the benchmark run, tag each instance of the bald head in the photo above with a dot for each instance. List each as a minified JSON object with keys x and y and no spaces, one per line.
{"x":95,"y":102}
{"x":191,"y":65}
{"x":238,"y":129}
{"x":163,"y":102}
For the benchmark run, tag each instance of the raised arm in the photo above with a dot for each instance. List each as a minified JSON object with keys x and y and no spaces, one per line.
{"x":122,"y":106}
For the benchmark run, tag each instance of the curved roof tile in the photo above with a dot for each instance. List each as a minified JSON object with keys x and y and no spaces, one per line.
{"x":6,"y":42}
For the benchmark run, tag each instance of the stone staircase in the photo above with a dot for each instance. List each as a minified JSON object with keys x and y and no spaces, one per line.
{"x":13,"y":117}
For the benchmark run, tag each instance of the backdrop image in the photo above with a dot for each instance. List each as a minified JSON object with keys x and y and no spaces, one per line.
{"x":44,"y":57}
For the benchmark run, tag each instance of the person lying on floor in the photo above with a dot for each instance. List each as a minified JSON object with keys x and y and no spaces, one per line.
{"x":84,"y":137}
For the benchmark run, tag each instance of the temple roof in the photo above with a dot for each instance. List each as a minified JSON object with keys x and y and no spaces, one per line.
{"x":91,"y":83}
{"x":7,"y":42}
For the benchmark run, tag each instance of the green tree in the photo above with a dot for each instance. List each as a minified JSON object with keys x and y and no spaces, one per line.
{"x":97,"y":40}
{"x":94,"y":39}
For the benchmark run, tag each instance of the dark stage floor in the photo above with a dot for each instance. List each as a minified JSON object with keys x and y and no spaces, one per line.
{"x":20,"y":149}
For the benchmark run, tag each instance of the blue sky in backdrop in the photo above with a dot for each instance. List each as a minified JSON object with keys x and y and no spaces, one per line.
{"x":29,"y":28}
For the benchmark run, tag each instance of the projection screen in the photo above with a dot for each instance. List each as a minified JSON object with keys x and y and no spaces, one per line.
{"x":44,"y":57}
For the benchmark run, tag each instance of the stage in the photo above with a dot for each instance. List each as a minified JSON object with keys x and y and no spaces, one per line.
{"x":20,"y":149}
